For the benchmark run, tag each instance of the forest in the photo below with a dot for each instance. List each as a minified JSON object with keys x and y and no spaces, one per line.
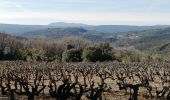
{"x":69,"y":49}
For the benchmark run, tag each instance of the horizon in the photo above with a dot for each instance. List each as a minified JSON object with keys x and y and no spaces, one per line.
{"x":91,"y":12}
{"x":87,"y":24}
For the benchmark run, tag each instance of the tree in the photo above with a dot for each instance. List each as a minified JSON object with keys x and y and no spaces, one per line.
{"x":54,"y":52}
{"x":99,"y":52}
{"x":72,"y":55}
{"x":3,"y":41}
{"x":9,"y":47}
{"x":12,"y":50}
{"x":36,"y":54}
{"x":91,"y":53}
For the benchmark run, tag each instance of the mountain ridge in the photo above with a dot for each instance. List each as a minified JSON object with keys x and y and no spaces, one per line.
{"x":18,"y":29}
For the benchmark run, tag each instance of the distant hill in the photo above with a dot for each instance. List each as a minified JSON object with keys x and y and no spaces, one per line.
{"x":141,"y":39}
{"x":124,"y":28}
{"x":145,"y":40}
{"x":15,"y":29}
{"x":66,"y":25}
{"x":55,"y":33}
{"x":59,"y":33}
{"x":151,"y":36}
{"x":108,"y":28}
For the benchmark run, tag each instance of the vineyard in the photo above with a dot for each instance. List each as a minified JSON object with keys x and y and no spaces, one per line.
{"x":84,"y":81}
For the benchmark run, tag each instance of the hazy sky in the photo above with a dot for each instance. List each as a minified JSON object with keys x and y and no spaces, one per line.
{"x":117,"y":12}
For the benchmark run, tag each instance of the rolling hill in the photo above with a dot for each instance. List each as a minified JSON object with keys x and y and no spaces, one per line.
{"x":142,"y":37}
{"x":55,"y":33}
{"x":146,"y":40}
{"x":59,"y":33}
{"x":15,"y":29}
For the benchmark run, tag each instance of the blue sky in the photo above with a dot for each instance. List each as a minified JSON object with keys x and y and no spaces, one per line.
{"x":116,"y":12}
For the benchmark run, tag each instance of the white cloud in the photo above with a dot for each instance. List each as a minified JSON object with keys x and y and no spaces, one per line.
{"x":11,"y":6}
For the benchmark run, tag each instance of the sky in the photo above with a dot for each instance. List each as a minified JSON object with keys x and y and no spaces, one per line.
{"x":93,"y":12}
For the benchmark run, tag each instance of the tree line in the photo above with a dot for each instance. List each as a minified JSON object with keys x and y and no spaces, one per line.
{"x":68,"y":49}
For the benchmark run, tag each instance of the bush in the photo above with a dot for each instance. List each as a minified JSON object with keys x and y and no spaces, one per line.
{"x":99,"y":52}
{"x":32,"y":54}
{"x":72,"y":55}
{"x":91,"y":54}
{"x":1,"y":55}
